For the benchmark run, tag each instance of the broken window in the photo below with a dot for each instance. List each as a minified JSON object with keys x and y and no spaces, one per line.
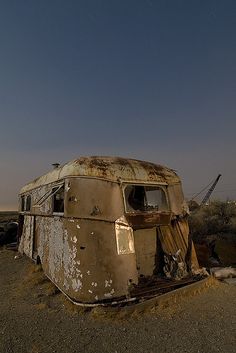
{"x":145,"y":198}
{"x":58,"y":199}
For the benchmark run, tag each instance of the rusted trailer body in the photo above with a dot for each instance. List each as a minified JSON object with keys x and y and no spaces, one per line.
{"x":100,"y":226}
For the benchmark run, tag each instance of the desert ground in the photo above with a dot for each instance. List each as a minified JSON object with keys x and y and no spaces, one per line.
{"x":36,"y":318}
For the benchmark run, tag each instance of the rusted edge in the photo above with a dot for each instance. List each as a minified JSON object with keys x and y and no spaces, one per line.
{"x":164,"y":300}
{"x":160,"y":300}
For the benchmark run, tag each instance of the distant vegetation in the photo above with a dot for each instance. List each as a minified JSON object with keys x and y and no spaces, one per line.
{"x":7,"y":216}
{"x":216,"y":218}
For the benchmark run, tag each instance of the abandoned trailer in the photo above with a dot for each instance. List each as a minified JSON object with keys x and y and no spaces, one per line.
{"x":105,"y":229}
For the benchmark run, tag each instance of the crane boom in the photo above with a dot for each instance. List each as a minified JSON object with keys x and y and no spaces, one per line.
{"x":209,"y":192}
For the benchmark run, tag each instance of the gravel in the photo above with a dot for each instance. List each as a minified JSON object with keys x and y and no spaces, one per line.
{"x":35,"y":318}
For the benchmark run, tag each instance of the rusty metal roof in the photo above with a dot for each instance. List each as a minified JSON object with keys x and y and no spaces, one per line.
{"x":108,"y":168}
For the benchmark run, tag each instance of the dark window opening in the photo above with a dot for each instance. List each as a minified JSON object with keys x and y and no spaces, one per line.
{"x":28,"y":203}
{"x":58,"y":199}
{"x":145,"y":198}
{"x":22,"y":203}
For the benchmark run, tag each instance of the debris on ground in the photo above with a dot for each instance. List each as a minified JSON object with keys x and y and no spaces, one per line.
{"x":8,"y":233}
{"x":223,"y":272}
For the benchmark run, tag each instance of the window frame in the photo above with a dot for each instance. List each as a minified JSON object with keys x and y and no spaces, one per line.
{"x":52,"y":195}
{"x":162,"y":186}
{"x":28,"y":204}
{"x":24,"y":203}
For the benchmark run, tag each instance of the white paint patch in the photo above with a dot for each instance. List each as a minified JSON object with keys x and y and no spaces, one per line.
{"x":67,"y":188}
{"x":90,"y":291}
{"x":55,"y":247}
{"x":94,"y":284}
{"x":71,"y":271}
{"x":74,"y":239}
{"x":76,"y":284}
{"x":27,"y":239}
{"x":96,"y":298}
{"x":88,"y":273}
{"x":66,"y":284}
{"x":110,"y":294}
{"x":92,"y":233}
{"x":72,"y":220}
{"x":108,"y":283}
{"x":78,"y":226}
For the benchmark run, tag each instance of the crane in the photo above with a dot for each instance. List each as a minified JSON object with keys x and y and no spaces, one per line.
{"x":209,"y":192}
{"x":193,"y":204}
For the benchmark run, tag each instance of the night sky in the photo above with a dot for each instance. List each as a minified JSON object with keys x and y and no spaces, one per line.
{"x":152,"y":80}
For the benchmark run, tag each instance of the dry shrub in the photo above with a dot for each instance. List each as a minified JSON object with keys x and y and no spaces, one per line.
{"x":35,"y":349}
{"x":40,"y":306}
{"x":35,"y":276}
{"x":108,"y":313}
{"x":72,"y":308}
{"x":50,"y":289}
{"x":226,"y":252}
{"x":217,"y":217}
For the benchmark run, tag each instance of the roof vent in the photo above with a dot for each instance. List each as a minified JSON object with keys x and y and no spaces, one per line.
{"x":55,"y":165}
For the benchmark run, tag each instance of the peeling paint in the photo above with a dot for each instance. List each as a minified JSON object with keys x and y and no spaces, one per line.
{"x":76,"y":284}
{"x":110,"y":294}
{"x":108,"y":283}
{"x":60,"y":238}
{"x":56,"y":248}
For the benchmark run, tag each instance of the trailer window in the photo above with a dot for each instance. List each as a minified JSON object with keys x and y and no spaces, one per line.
{"x":28,"y":203}
{"x":22,"y":203}
{"x":58,"y":199}
{"x":145,"y":198}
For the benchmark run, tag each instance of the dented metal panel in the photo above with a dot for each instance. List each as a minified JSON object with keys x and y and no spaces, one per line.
{"x":28,"y":231}
{"x":146,"y":249}
{"x":94,"y":248}
{"x":109,"y":168}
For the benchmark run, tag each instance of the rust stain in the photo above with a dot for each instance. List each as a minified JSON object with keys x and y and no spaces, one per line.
{"x":138,"y":221}
{"x":92,"y":248}
{"x":110,"y":168}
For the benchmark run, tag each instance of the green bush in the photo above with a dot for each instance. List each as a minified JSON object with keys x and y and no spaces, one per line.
{"x":217,"y":217}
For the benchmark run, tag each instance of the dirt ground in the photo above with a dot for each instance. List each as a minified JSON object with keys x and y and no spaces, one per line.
{"x":36,"y":318}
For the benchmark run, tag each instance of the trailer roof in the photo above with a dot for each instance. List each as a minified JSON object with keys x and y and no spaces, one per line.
{"x":108,"y":168}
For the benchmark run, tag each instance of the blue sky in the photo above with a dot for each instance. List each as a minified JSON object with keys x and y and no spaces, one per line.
{"x":152,"y":80}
